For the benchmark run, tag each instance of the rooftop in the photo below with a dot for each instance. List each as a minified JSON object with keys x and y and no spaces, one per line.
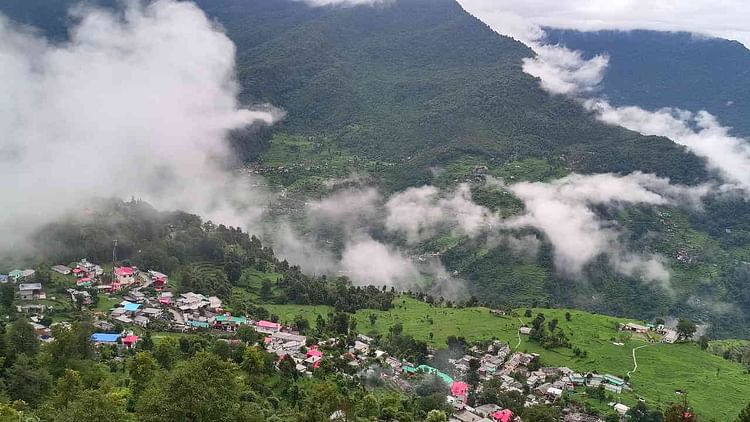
{"x":104,"y":338}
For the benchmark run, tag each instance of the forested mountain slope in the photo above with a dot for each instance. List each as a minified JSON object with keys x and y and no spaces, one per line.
{"x":655,"y":69}
{"x":421,"y":79}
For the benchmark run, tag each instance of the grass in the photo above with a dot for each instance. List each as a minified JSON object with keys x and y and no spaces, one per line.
{"x":106,"y":303}
{"x":716,"y":388}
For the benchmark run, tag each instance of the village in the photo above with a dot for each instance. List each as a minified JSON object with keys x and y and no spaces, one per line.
{"x":148,"y":302}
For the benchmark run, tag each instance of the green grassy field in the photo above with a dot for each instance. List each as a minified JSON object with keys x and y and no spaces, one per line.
{"x":717,"y":388}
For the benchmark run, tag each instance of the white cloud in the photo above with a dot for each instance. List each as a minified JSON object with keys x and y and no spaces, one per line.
{"x":303,"y":251}
{"x":346,"y":208}
{"x":134,"y":104}
{"x":520,"y":19}
{"x":560,"y":70}
{"x":562,"y":210}
{"x":419,"y":212}
{"x":700,"y":132}
{"x":371,"y":262}
{"x":564,"y":71}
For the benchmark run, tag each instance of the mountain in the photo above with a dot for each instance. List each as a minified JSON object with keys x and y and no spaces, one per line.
{"x":426,"y":80}
{"x":655,"y":69}
{"x":419,"y":91}
{"x":421,"y":79}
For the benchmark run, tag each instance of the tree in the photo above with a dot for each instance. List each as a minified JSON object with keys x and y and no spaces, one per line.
{"x":67,"y":389}
{"x":703,"y":342}
{"x":641,"y":413}
{"x":744,"y":415}
{"x":253,"y":361}
{"x":288,"y":368}
{"x":167,"y":353}
{"x":146,"y":342}
{"x":686,"y":328}
{"x":472,"y":377}
{"x":233,"y":270}
{"x":142,"y":369}
{"x":203,"y":388}
{"x":94,"y":406}
{"x":680,"y":412}
{"x":321,"y":400}
{"x":373,"y":319}
{"x":541,"y":413}
{"x":436,"y":416}
{"x":7,"y":296}
{"x":369,"y":407}
{"x":27,"y":382}
{"x":568,"y":317}
{"x":527,"y":313}
{"x":21,"y":339}
{"x":247,"y":334}
{"x":265,"y":289}
{"x":301,"y":324}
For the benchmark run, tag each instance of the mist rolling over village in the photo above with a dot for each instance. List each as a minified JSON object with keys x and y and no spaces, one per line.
{"x":374,"y":210}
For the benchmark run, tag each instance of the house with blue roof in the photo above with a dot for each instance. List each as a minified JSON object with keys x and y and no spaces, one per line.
{"x":130,"y":306}
{"x":104,"y":338}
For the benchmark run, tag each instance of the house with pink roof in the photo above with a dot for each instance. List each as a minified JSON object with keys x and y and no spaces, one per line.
{"x":125,"y":275}
{"x":267,"y":327}
{"x":505,"y":415}
{"x":460,"y":390}
{"x":313,"y":351}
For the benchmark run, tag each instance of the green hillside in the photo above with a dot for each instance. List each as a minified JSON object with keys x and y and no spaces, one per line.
{"x":717,"y":388}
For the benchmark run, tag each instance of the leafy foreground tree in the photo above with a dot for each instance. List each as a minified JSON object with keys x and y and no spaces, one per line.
{"x":94,"y":406}
{"x":204,"y":388}
{"x":436,"y":416}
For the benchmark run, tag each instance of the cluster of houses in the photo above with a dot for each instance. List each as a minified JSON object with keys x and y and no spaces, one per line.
{"x":668,"y":335}
{"x":26,"y":291}
{"x":142,"y":306}
{"x":517,"y":372}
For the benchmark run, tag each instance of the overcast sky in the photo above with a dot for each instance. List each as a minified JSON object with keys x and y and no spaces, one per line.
{"x":721,"y":18}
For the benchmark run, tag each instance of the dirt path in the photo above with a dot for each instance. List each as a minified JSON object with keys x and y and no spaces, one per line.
{"x":635,"y":362}
{"x":518,"y":332}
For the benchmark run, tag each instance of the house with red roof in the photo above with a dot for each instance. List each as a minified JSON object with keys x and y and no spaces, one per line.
{"x":159,"y":280}
{"x":130,"y":341}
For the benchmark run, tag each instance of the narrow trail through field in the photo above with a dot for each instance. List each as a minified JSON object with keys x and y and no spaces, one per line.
{"x":518,"y":332}
{"x":635,"y":362}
